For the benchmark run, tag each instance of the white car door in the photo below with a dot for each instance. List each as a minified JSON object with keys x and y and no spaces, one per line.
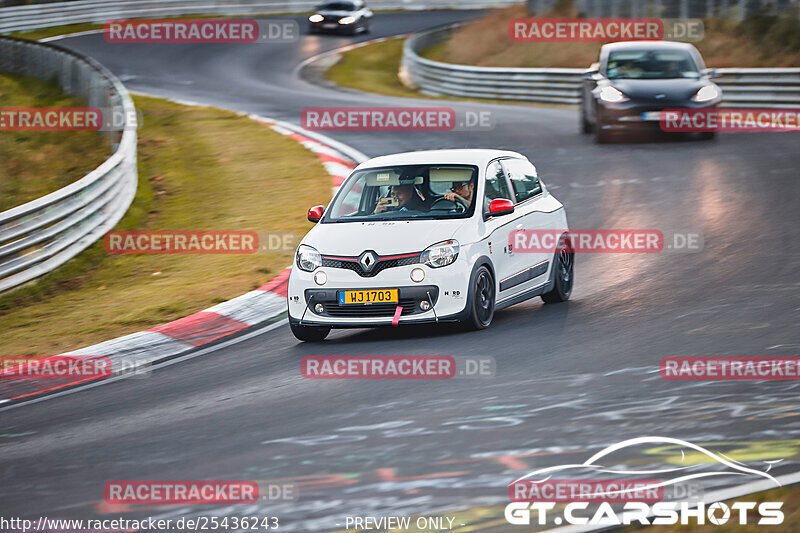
{"x":498,"y":228}
{"x":532,"y":212}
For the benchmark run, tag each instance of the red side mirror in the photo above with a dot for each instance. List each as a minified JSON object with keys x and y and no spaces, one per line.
{"x":315,"y":213}
{"x":500,"y":206}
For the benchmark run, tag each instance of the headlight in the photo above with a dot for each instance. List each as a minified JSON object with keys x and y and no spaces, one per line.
{"x":612,"y":95}
{"x":440,"y":254}
{"x":316,"y":18}
{"x":706,"y":94}
{"x":308,"y":258}
{"x":347,"y":20}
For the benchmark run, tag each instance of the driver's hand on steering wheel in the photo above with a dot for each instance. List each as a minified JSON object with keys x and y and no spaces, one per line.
{"x":453,"y":196}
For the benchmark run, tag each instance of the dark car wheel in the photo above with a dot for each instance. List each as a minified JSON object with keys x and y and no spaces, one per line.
{"x":563,"y":276}
{"x":482,"y":295}
{"x":309,"y":333}
{"x":586,"y":126}
{"x":601,"y":136}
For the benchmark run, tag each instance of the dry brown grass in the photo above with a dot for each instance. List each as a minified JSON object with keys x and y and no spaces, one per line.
{"x":756,"y":42}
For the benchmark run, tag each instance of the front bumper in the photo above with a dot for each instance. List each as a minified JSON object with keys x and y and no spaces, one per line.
{"x":642,"y":116}
{"x":446,"y":288}
{"x":333,"y":27}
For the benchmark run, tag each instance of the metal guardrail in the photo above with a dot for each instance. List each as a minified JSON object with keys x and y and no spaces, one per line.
{"x":20,"y":18}
{"x":742,"y":87}
{"x":41,"y":235}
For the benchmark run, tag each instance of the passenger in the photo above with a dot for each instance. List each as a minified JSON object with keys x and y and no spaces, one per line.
{"x":408,"y":200}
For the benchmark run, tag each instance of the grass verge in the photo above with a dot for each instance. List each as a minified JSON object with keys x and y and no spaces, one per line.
{"x":373,"y":68}
{"x":758,"y":41}
{"x":199,"y":169}
{"x":34,"y":163}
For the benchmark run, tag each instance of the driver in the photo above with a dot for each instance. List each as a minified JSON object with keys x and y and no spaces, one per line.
{"x":461,"y":190}
{"x":407,"y":197}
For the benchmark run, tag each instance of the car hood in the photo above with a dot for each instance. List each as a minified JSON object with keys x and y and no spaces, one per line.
{"x":384,"y":238}
{"x":672,"y":89}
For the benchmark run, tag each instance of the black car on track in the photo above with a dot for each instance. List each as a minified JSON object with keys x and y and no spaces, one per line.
{"x":634,"y":81}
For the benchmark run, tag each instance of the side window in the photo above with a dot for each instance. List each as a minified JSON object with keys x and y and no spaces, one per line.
{"x":496,"y":184}
{"x":523,"y":179}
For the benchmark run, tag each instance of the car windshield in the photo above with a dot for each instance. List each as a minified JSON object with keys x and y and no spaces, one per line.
{"x":337,"y":6}
{"x":651,"y":64}
{"x":406,"y":192}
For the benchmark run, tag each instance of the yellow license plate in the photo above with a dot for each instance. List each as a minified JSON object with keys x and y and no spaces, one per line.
{"x":371,"y":296}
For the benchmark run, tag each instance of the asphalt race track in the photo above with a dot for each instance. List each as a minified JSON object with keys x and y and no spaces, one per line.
{"x":571,"y":378}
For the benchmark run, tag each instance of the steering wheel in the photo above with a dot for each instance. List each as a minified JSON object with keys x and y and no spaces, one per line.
{"x":458,"y":204}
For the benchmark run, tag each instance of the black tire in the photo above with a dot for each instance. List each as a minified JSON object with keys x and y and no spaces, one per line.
{"x":586,"y":126}
{"x":309,"y":333}
{"x":563,"y":276}
{"x":481,"y":298}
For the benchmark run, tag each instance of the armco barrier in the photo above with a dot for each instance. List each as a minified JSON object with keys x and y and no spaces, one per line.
{"x":41,"y":235}
{"x":99,"y":11}
{"x":742,"y":87}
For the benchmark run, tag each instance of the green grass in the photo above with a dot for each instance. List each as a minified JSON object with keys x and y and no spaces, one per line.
{"x":34,"y":163}
{"x":199,"y":169}
{"x":374,"y":68}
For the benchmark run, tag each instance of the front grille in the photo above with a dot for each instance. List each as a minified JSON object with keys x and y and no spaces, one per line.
{"x":380,"y":265}
{"x":371,"y":310}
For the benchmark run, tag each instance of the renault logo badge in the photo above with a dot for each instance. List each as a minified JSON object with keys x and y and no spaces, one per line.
{"x":367,"y":260}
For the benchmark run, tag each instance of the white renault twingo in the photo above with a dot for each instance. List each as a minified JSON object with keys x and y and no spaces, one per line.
{"x":424,"y":237}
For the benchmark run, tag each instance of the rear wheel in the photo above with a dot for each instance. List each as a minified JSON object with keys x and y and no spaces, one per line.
{"x":563,"y":276}
{"x":309,"y":333}
{"x":482,"y":296}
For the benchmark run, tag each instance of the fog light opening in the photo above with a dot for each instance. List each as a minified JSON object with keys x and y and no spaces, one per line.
{"x":424,"y":305}
{"x":417,"y":275}
{"x":319,"y":309}
{"x":320,"y":278}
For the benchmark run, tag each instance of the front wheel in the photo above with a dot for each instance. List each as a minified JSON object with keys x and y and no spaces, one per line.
{"x":481,"y":299}
{"x":309,"y":333}
{"x":563,"y":277}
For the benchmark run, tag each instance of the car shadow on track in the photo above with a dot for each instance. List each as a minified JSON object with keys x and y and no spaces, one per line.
{"x":522,"y":316}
